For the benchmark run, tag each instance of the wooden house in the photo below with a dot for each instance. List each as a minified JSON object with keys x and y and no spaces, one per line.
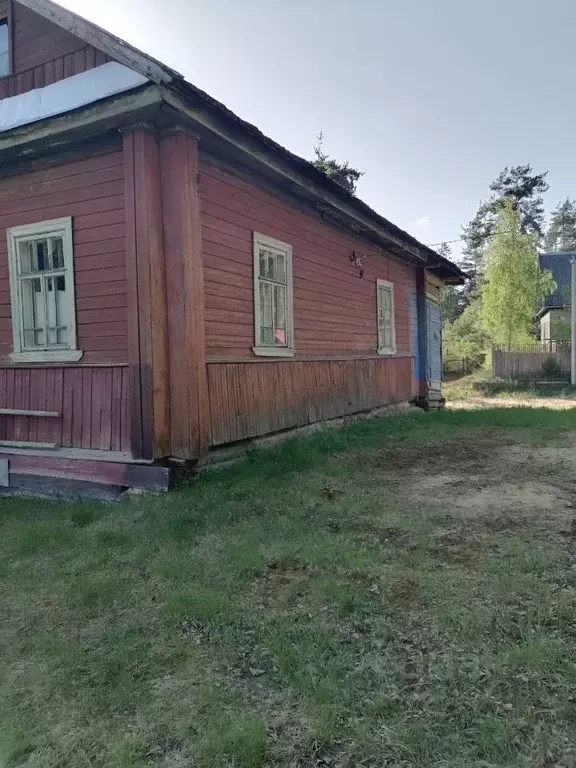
{"x":554,"y":315}
{"x":172,"y":280}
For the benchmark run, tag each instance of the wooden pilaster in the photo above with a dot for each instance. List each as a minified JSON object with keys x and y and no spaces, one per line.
{"x":145,"y":268}
{"x":185,"y":294}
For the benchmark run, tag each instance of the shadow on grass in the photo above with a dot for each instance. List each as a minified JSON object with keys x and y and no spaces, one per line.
{"x":304,"y":453}
{"x":524,"y":387}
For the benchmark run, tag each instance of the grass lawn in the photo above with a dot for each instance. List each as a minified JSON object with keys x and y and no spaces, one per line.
{"x":398,"y":593}
{"x":482,"y":386}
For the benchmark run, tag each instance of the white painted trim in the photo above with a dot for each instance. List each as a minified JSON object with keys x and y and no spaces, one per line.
{"x":272,"y":350}
{"x":25,"y":446}
{"x":61,"y":227}
{"x":385,"y":350}
{"x":48,"y":356}
{"x":62,"y":97}
{"x":23,"y":412}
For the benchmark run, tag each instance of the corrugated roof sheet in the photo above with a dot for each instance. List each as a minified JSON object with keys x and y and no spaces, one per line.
{"x":558,"y":262}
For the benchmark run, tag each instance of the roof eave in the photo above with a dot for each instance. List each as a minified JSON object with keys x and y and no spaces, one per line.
{"x":209,"y":115}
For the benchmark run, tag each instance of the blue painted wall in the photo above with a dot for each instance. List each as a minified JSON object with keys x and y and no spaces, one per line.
{"x":434,"y":317}
{"x":414,"y":340}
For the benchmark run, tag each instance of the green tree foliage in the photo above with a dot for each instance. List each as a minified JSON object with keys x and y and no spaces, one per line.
{"x":453,"y":302}
{"x":513,"y":284}
{"x":524,"y":189}
{"x":342,"y":173}
{"x":561,"y":235}
{"x":465,"y":338}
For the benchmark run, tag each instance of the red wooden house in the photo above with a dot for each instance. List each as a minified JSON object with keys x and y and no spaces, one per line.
{"x":172,"y":280}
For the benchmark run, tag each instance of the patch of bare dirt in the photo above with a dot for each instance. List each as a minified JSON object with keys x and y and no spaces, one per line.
{"x":556,"y":403}
{"x":463,"y":493}
{"x":557,"y":456}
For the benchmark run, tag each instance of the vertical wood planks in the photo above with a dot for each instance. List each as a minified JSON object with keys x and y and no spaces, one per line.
{"x":189,"y":425}
{"x":147,"y":338}
{"x":93,"y":403}
{"x":250,"y":399}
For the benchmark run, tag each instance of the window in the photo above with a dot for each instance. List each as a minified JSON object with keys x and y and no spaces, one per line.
{"x":4,"y":47}
{"x":273,"y":297}
{"x":386,"y":319}
{"x":42,"y":292}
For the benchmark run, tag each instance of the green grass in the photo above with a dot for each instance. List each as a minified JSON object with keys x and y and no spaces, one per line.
{"x":401,"y":592}
{"x":483,"y":384}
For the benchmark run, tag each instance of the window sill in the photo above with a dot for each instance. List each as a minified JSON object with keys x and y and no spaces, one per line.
{"x":387,"y":352}
{"x":47,"y":356}
{"x":273,"y":351}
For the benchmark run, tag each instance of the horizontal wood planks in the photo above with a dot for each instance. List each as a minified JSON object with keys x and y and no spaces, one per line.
{"x":91,"y":190}
{"x":93,"y":403}
{"x":250,"y":399}
{"x":334,"y":309}
{"x":43,"y":54}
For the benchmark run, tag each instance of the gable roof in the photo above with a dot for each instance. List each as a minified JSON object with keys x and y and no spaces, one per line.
{"x":558,"y":262}
{"x":403,"y":243}
{"x":105,"y":41}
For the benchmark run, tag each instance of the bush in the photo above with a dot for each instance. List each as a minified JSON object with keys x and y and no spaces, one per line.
{"x":551,"y":369}
{"x":465,"y":339}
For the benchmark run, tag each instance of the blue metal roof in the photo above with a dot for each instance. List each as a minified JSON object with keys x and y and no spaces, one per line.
{"x":558,"y":262}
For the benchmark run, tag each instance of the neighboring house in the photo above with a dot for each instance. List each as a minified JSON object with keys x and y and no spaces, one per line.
{"x":554,"y":315}
{"x":171,"y":279}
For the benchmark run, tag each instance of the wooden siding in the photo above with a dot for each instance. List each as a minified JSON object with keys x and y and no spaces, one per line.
{"x":91,"y":190}
{"x":189,"y":418}
{"x":43,"y":53}
{"x":93,"y":403}
{"x":434,"y":287}
{"x":334,"y":309}
{"x":247,"y":400}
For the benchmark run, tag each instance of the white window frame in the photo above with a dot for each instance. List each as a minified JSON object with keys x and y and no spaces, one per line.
{"x":54,"y":227}
{"x":382,"y":350}
{"x":273,"y":350}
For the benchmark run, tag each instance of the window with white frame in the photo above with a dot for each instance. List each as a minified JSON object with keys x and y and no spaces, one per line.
{"x":386,"y":318}
{"x":273,"y":314}
{"x":40,"y":260}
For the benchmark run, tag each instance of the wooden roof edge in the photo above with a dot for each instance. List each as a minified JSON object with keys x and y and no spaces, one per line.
{"x":104,"y":41}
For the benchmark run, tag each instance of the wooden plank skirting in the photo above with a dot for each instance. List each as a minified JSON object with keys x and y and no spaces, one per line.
{"x":252,"y":399}
{"x":91,"y":406}
{"x":106,"y":473}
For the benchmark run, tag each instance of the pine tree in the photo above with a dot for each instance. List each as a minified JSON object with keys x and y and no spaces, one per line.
{"x":524,"y":189}
{"x":453,"y":302}
{"x":561,"y":235}
{"x":513,"y":284}
{"x":342,"y":173}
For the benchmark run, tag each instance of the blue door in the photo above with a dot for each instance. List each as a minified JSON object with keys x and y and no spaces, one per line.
{"x":434,"y":364}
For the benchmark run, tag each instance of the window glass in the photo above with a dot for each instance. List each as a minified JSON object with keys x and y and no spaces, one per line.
{"x":386,"y":331}
{"x":42,"y":290}
{"x":4,"y":48}
{"x":272,"y":288}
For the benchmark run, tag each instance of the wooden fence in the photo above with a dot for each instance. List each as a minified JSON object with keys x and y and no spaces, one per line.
{"x":534,"y":361}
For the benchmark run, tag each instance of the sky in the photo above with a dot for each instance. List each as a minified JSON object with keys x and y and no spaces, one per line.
{"x":430,"y":98}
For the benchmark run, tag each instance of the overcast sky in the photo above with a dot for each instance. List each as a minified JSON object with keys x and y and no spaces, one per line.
{"x":430,"y":98}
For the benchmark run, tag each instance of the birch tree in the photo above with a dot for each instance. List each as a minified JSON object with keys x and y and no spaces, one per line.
{"x":514,"y":285}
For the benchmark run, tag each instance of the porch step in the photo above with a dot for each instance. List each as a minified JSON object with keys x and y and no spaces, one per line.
{"x":71,"y":478}
{"x":51,"y":488}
